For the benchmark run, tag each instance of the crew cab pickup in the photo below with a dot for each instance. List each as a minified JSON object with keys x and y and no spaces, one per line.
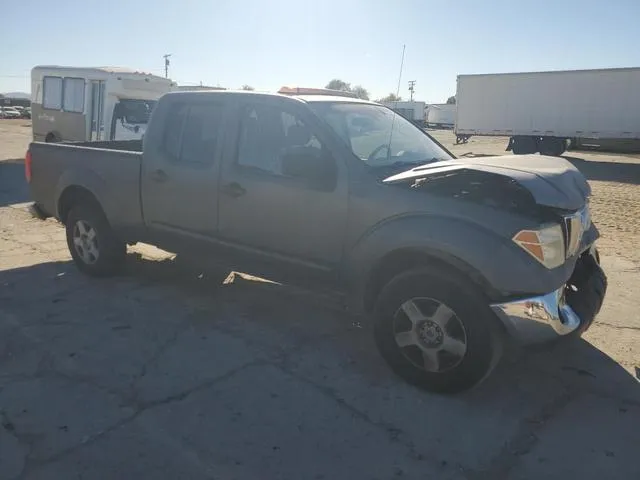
{"x":448,"y":257}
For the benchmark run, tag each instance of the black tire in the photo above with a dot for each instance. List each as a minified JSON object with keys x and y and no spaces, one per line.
{"x":51,"y":138}
{"x":482,"y":333}
{"x":552,"y":146}
{"x":523,"y":145}
{"x":111,"y":250}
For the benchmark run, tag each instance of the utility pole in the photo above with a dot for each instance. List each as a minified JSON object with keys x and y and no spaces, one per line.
{"x":411,"y":87}
{"x":166,"y":64}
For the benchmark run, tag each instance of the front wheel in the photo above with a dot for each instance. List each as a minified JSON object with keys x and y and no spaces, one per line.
{"x":436,"y":331}
{"x":92,"y":243}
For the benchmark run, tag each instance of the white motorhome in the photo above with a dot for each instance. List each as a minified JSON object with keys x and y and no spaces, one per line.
{"x":92,"y":104}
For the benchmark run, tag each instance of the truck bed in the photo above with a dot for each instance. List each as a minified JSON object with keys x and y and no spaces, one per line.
{"x":109,"y":170}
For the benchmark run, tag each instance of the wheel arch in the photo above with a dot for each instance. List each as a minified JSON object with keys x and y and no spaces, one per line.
{"x":52,"y":137}
{"x":73,"y":195}
{"x":404,"y":259}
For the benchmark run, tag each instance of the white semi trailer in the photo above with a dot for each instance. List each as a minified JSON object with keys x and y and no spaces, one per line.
{"x":441,"y":115}
{"x":543,"y":111}
{"x":412,"y":111}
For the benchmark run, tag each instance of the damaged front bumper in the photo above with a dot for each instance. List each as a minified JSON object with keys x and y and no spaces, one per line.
{"x":571,"y":308}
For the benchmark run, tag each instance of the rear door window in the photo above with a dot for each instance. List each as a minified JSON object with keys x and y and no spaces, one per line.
{"x":193,"y":133}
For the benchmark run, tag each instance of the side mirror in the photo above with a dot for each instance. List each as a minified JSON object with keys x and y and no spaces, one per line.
{"x":318,"y":170}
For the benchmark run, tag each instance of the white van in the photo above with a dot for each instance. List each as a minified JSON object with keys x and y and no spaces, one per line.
{"x":92,"y":104}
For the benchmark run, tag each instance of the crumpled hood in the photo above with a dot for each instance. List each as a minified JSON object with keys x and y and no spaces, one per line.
{"x":553,"y":181}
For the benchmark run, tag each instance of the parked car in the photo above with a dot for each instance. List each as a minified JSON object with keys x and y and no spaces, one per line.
{"x":26,"y":113}
{"x":10,"y":112}
{"x":449,"y":258}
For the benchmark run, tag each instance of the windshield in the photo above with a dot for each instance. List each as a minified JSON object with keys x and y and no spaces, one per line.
{"x":134,"y":111}
{"x":378,"y":136}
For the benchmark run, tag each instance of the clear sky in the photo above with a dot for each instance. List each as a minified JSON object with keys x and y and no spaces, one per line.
{"x":270,"y":43}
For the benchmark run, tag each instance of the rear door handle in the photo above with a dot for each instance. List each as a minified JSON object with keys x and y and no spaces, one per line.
{"x":233,"y":189}
{"x":159,"y":176}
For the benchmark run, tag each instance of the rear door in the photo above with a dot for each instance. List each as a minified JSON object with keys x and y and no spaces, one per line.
{"x":179,"y":167}
{"x":263,"y":208}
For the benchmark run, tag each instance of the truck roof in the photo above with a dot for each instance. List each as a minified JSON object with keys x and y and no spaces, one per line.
{"x":303,"y":98}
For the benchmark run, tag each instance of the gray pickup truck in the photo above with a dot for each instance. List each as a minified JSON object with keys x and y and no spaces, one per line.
{"x":448,"y":257}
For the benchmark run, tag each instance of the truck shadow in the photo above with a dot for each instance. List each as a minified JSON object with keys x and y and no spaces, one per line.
{"x":271,"y":315}
{"x":607,"y":171}
{"x":13,"y":186}
{"x":52,"y":318}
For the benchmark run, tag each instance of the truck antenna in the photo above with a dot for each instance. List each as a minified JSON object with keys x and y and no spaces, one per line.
{"x":393,"y":119}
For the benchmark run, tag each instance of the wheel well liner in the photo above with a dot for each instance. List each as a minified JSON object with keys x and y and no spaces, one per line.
{"x":52,"y":137}
{"x":403,"y":260}
{"x":72,"y":196}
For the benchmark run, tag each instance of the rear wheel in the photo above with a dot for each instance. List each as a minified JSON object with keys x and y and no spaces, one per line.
{"x":95,"y":248}
{"x":436,"y":331}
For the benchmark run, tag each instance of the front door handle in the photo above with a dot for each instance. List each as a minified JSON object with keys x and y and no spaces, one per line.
{"x":159,"y":176}
{"x":233,"y":189}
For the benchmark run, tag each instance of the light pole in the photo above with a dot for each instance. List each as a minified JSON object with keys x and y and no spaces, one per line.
{"x":166,"y":64}
{"x":411,"y":88}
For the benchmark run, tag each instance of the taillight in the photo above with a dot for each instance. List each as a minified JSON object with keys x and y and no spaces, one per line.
{"x":27,"y":166}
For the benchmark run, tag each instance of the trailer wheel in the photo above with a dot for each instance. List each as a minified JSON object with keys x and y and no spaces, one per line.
{"x":552,"y":146}
{"x":523,"y":145}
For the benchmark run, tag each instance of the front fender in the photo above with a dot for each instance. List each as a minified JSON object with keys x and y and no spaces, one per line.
{"x":501,"y":264}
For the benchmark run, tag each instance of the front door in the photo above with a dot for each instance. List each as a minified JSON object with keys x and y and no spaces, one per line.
{"x":179,"y":185}
{"x":96,"y":116}
{"x":266,"y":209}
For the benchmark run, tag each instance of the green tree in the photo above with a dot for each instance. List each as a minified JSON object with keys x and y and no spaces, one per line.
{"x":246,"y":87}
{"x":360,"y":92}
{"x":337,"y":84}
{"x":451,"y":100}
{"x":392,"y":97}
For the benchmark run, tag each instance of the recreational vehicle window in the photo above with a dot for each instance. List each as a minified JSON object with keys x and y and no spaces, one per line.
{"x":52,"y":93}
{"x":73,"y":95}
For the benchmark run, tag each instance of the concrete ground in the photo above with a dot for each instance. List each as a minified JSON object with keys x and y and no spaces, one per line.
{"x":159,"y":374}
